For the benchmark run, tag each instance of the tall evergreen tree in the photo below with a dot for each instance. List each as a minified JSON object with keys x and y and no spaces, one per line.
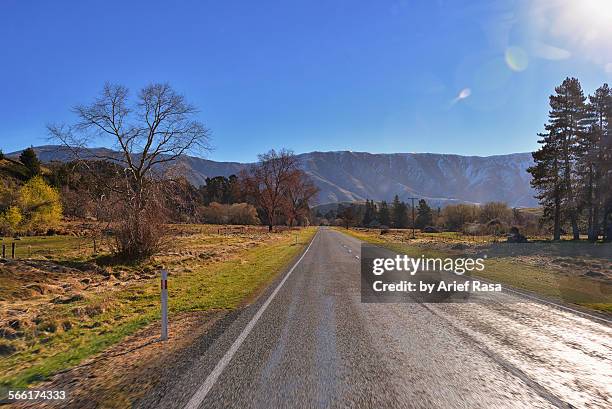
{"x":349,"y":215}
{"x":547,"y":179}
{"x":331,"y":215}
{"x":605,"y":161}
{"x":368,"y":215}
{"x":384,"y":216}
{"x":399,"y":213}
{"x":592,"y":158}
{"x":567,"y":123}
{"x":424,"y":215}
{"x":30,"y":161}
{"x":374,"y":210}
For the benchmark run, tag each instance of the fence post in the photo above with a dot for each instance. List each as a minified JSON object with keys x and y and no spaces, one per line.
{"x":3,"y":250}
{"x":13,"y":250}
{"x":164,"y":305}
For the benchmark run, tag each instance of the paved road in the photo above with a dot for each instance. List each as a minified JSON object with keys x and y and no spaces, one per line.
{"x":317,"y":346}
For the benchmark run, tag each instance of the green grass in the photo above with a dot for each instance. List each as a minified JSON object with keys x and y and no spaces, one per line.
{"x":557,"y":285}
{"x":57,"y":247}
{"x":115,"y":315}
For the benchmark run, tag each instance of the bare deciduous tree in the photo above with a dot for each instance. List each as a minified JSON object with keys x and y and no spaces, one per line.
{"x":299,"y":193}
{"x":267,"y":182}
{"x":151,"y":133}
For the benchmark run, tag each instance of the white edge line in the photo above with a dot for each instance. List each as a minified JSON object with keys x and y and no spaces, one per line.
{"x":199,"y":396}
{"x":541,"y":300}
{"x":558,"y":305}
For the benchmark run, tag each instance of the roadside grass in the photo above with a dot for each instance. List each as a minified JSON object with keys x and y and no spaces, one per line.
{"x":67,"y":334}
{"x":67,"y":247}
{"x":456,"y":237}
{"x":554,"y":284}
{"x":46,"y":247}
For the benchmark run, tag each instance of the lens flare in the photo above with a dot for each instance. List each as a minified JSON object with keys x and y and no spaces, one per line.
{"x":580,"y":28}
{"x":465,"y":92}
{"x":517,"y":59}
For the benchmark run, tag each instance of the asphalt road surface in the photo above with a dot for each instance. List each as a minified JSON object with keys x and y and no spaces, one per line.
{"x":309,"y":342}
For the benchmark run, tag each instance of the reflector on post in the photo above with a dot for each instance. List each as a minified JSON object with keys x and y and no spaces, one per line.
{"x":164,"y":305}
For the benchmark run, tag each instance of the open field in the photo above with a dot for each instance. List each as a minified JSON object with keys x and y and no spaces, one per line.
{"x":571,"y":272}
{"x":65,"y":304}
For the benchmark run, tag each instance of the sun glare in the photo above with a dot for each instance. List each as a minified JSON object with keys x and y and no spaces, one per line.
{"x":592,"y":18}
{"x":583,"y":25}
{"x":600,"y":9}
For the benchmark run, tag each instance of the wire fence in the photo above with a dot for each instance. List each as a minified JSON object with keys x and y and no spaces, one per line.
{"x":42,"y":247}
{"x":75,"y":247}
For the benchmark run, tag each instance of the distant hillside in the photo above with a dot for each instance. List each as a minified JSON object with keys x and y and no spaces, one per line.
{"x":346,"y":176}
{"x":350,"y":176}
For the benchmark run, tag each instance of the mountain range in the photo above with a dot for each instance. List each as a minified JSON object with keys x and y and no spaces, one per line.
{"x":345,"y":176}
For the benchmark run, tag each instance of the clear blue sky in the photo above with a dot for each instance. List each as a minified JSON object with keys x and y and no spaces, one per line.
{"x":379,"y":76}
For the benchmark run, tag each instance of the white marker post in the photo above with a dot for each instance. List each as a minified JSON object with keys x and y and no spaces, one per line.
{"x":164,"y":305}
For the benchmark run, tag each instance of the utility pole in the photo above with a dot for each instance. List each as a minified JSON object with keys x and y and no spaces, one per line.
{"x":412,"y":199}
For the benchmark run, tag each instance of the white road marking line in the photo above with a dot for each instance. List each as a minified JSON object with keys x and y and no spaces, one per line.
{"x":514,"y":370}
{"x":539,"y":300}
{"x":198,"y":397}
{"x":563,"y":307}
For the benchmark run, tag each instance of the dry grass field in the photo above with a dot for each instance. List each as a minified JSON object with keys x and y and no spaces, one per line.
{"x":578,"y":273}
{"x":61,"y":304}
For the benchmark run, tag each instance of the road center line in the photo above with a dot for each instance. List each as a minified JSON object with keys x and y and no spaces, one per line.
{"x":199,"y":396}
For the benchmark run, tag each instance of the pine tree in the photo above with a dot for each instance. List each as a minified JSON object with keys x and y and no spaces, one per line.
{"x":604,"y":161}
{"x":607,"y":181}
{"x":567,"y":123}
{"x":374,"y":210}
{"x":547,"y":179}
{"x":424,"y":215}
{"x":368,"y":216}
{"x":384,"y":216}
{"x":399,"y":212}
{"x":591,"y":163}
{"x":396,"y":211}
{"x":30,"y":161}
{"x":348,"y":214}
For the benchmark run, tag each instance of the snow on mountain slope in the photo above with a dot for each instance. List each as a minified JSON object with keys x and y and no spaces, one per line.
{"x":350,"y":176}
{"x":439,"y":177}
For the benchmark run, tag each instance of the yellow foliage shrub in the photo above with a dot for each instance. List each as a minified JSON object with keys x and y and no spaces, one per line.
{"x":40,"y":205}
{"x":10,"y":220}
